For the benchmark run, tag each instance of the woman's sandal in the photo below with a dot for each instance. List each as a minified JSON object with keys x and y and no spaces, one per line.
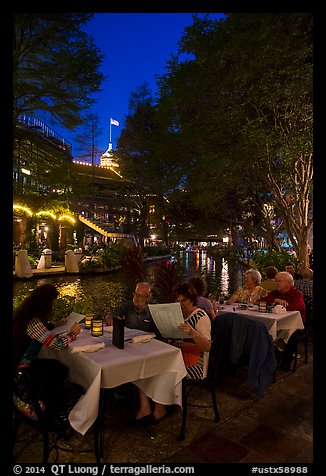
{"x":144,"y":425}
{"x":146,"y":420}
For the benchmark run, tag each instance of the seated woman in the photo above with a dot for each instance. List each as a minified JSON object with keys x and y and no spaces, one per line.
{"x":47,"y":376}
{"x":251,"y":292}
{"x":269,"y":283}
{"x":199,"y":285}
{"x":197,"y":328}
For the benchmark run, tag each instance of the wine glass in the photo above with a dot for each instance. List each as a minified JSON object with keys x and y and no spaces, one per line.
{"x":250,"y":301}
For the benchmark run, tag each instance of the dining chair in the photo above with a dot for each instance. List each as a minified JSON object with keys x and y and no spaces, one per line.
{"x":246,"y":344}
{"x":53,"y":426}
{"x":301,"y":337}
{"x":188,"y":385}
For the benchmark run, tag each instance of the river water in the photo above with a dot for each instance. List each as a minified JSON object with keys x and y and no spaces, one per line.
{"x":113,"y":288}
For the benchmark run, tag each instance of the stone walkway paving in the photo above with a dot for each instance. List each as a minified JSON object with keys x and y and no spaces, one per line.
{"x":275,"y":429}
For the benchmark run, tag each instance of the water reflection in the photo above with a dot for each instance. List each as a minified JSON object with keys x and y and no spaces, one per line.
{"x":225,"y":277}
{"x":216,"y":274}
{"x":109,"y":290}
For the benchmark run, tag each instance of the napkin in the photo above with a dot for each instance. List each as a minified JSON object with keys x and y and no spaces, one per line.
{"x":278,"y":309}
{"x":143,"y":338}
{"x":87,"y":347}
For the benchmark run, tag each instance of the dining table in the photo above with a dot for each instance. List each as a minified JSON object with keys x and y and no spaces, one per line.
{"x":96,"y":364}
{"x":279,"y":326}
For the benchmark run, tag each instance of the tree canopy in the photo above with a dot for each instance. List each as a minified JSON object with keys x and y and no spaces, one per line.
{"x":239,"y":112}
{"x":55,"y":66}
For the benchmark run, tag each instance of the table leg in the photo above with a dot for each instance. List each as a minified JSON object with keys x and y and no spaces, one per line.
{"x":99,"y":429}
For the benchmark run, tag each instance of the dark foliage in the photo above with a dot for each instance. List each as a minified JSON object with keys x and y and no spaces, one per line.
{"x":166,"y":277}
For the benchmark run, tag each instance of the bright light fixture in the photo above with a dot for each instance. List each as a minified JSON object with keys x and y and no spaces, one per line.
{"x":24,"y":209}
{"x":26,"y":171}
{"x":67,"y":217}
{"x":44,"y":212}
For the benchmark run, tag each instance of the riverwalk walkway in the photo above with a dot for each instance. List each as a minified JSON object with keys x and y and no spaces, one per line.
{"x":60,"y":269}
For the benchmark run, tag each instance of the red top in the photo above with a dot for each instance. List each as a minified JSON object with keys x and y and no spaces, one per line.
{"x":293,"y":297}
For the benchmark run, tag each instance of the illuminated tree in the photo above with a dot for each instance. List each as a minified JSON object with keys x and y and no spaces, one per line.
{"x":241,"y":106}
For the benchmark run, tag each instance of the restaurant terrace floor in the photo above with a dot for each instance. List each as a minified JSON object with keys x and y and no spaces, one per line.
{"x":275,"y":429}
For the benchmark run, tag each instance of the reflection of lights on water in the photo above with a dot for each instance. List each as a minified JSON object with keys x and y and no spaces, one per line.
{"x":71,"y":289}
{"x":187,"y":262}
{"x":225,"y":277}
{"x":211,"y":265}
{"x":197,"y":260}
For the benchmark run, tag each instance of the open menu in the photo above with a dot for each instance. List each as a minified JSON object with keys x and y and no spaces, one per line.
{"x":71,"y":319}
{"x":167,"y":318}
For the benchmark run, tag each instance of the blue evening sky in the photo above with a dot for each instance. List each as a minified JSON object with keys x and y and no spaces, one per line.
{"x":136,"y":47}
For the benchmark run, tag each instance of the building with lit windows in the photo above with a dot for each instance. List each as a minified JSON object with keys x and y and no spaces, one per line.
{"x":59,"y":201}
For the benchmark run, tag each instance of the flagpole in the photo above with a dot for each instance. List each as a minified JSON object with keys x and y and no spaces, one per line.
{"x":110,"y":129}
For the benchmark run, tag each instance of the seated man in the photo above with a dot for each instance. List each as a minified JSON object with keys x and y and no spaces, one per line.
{"x":292,"y":299}
{"x":290,"y":268}
{"x":305,"y":285}
{"x":136,"y":311}
{"x":137,"y":316}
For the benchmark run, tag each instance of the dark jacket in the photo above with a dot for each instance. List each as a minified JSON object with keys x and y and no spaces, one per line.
{"x":240,"y":335}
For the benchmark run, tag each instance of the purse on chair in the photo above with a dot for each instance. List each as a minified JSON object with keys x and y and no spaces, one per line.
{"x":49,"y":420}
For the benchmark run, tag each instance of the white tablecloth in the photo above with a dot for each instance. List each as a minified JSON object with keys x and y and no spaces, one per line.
{"x":155,"y":367}
{"x":278,"y":325}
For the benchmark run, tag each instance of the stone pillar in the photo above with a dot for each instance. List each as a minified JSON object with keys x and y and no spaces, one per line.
{"x":22,"y":265}
{"x":78,"y":254}
{"x":70,"y":262}
{"x":46,"y":259}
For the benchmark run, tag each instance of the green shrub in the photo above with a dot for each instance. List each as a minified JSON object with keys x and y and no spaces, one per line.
{"x":63,"y":305}
{"x":157,"y":250}
{"x":110,"y":257}
{"x":263,"y":259}
{"x":90,"y":264}
{"x":32,"y":261}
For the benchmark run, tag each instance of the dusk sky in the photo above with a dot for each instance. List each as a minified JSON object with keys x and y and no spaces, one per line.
{"x":137,"y":47}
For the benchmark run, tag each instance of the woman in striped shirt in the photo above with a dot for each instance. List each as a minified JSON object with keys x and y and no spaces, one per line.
{"x":195,"y":349}
{"x":197,"y":328}
{"x":30,"y":332}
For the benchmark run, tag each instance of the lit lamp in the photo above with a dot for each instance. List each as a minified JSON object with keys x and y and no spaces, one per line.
{"x":262,"y":305}
{"x":88,"y":321}
{"x":97,"y":327}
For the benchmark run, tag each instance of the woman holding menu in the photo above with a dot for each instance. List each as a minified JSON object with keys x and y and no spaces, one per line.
{"x":197,"y":327}
{"x":195,"y":348}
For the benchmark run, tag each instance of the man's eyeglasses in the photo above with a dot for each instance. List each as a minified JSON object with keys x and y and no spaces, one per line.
{"x":141,"y":296}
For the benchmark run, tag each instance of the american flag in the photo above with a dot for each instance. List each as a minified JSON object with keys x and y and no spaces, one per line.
{"x":114,"y":122}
